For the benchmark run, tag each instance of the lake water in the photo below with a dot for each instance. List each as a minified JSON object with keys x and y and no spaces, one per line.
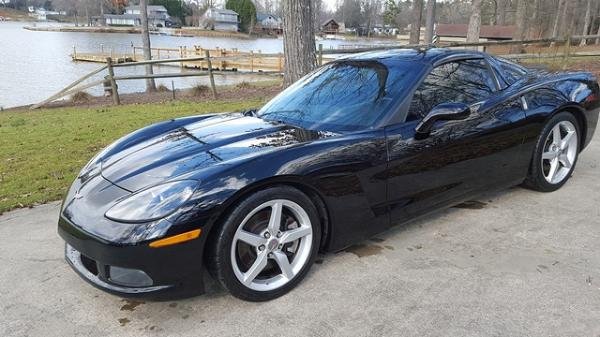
{"x":35,"y":65}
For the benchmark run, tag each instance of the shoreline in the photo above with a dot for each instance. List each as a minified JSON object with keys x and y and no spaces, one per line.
{"x":180,"y":32}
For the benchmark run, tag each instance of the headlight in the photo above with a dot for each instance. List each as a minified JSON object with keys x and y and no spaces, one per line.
{"x":154,"y":203}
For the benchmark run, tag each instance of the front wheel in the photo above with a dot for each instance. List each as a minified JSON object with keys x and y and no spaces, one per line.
{"x":266,"y":244}
{"x":555,"y":154}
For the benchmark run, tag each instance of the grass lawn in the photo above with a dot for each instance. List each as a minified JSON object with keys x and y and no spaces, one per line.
{"x":42,"y":151}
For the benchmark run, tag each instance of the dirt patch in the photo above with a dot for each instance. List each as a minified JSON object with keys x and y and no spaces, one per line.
{"x":363,"y":250}
{"x":124,"y":321}
{"x":472,"y":204}
{"x":130,"y":305}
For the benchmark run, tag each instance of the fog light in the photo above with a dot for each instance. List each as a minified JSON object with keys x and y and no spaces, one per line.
{"x":129,"y":277}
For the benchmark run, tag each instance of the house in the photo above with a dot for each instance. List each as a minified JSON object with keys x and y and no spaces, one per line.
{"x":41,"y":14}
{"x":458,"y":32}
{"x":157,"y":17}
{"x":330,"y":27}
{"x":269,"y":23}
{"x":123,"y":20}
{"x":220,"y":19}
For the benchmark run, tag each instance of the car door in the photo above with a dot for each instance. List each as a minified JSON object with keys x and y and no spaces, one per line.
{"x":459,"y":158}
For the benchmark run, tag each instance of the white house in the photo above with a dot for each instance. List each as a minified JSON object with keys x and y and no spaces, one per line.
{"x":157,"y":17}
{"x":220,"y":19}
{"x":268,"y":20}
{"x":41,"y":14}
{"x":122,"y":20}
{"x":269,"y":23}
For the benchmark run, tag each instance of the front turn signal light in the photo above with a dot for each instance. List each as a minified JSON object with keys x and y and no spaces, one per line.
{"x":175,"y":239}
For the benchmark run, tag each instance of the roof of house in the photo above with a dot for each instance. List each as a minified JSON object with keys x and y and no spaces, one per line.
{"x":151,"y":8}
{"x":488,"y":32}
{"x":329,"y":21}
{"x":224,"y":11}
{"x":122,"y":16}
{"x":263,"y":16}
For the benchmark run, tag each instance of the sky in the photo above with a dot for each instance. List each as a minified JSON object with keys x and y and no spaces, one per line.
{"x":330,"y":4}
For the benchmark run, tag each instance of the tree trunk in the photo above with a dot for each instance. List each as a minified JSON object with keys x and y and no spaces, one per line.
{"x":150,"y":84}
{"x":429,"y":21}
{"x":501,"y":12}
{"x":474,"y":22}
{"x":561,"y":3}
{"x":564,"y":29}
{"x":586,"y":23}
{"x":415,"y":25}
{"x":298,"y":40}
{"x":520,"y":29}
{"x":531,"y":29}
{"x":598,"y":38}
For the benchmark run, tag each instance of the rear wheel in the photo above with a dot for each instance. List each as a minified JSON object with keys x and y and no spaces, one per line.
{"x":267,"y":244}
{"x":555,"y":154}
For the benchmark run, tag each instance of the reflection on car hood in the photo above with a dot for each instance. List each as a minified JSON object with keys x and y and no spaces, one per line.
{"x":195,"y":146}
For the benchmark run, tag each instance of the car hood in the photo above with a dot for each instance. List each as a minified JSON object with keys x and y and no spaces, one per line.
{"x":216,"y":140}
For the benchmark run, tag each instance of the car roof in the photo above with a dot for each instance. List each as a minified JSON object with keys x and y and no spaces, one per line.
{"x":428,"y":55}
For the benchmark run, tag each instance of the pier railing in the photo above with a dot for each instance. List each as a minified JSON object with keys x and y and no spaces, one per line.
{"x":215,"y":62}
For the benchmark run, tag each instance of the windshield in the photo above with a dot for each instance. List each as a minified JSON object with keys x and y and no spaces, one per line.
{"x":342,"y":96}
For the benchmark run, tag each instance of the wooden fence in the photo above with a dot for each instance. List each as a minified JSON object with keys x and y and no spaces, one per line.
{"x":211,"y":62}
{"x":223,"y":59}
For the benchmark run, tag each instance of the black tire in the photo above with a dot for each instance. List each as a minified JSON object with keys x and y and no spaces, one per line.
{"x":535,"y":179}
{"x":219,"y":260}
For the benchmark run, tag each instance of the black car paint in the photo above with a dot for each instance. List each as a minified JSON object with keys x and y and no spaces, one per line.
{"x":366,"y":181}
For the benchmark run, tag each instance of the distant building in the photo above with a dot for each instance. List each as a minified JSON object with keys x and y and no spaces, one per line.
{"x":269,"y":23}
{"x":41,"y":14}
{"x":330,"y":27}
{"x":458,"y":32}
{"x":123,"y":20}
{"x":220,"y":19}
{"x":157,"y":17}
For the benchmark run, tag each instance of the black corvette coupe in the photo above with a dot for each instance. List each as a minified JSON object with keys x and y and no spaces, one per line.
{"x":359,"y":145}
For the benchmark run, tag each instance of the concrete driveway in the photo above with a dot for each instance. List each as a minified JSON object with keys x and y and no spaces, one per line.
{"x":515,"y":263}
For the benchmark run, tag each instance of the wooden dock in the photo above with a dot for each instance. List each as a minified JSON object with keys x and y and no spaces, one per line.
{"x":222,"y":59}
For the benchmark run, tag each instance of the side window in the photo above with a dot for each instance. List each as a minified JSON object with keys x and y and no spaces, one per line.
{"x":467,"y":81}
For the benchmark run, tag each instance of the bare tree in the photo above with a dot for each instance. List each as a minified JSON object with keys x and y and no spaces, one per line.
{"x":429,"y":21}
{"x":563,"y":29}
{"x":415,"y":25}
{"x":474,"y":22}
{"x":150,"y":84}
{"x":501,"y":12}
{"x":561,"y":4}
{"x":520,"y":17}
{"x":298,"y":40}
{"x":586,"y":23}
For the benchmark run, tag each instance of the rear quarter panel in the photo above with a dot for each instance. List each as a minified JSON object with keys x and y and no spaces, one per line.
{"x":548,"y":94}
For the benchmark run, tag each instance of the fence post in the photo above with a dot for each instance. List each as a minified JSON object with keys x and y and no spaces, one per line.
{"x":113,"y":83}
{"x":280,"y":59}
{"x":320,"y":54}
{"x":74,"y":52}
{"x":181,"y":56}
{"x":251,"y":61}
{"x":566,"y":52}
{"x":210,"y":73}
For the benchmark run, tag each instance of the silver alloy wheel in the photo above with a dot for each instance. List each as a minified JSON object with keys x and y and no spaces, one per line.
{"x":560,"y":151}
{"x":288,"y":249}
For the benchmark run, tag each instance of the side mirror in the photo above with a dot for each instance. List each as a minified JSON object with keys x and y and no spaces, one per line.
{"x":443,"y":112}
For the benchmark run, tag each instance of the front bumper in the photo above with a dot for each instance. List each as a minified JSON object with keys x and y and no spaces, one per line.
{"x":170,"y":272}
